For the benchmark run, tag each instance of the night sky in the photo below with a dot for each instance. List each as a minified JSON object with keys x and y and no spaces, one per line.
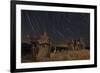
{"x":58,"y":25}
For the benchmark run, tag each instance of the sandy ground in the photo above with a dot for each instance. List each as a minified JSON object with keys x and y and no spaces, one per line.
{"x":63,"y":55}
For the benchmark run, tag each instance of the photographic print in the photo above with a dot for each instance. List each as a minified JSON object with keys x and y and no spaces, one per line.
{"x":54,"y":36}
{"x":51,"y":36}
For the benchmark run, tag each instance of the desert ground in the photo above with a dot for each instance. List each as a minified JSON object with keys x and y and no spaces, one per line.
{"x":82,"y":54}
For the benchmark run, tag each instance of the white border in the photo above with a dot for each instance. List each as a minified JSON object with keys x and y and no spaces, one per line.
{"x":20,"y":65}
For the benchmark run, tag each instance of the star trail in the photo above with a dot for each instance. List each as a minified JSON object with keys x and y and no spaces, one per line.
{"x":58,"y":25}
